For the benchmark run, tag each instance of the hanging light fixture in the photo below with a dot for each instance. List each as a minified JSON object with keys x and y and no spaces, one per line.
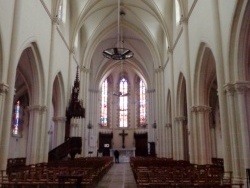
{"x":118,"y":53}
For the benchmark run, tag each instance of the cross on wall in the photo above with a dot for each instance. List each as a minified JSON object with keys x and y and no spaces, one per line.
{"x":123,"y":134}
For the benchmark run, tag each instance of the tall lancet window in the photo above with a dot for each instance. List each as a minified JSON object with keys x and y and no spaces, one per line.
{"x":104,"y":104}
{"x":17,"y":122}
{"x":142,"y":103}
{"x":123,"y":103}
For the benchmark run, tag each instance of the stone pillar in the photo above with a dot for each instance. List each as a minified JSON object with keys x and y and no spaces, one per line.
{"x":173,"y":103}
{"x":194,"y":134}
{"x":242,"y":88}
{"x":204,"y":138}
{"x":230,"y":90}
{"x":8,"y":103}
{"x":35,"y":137}
{"x":59,"y":130}
{"x":45,"y":128}
{"x":93,"y":116}
{"x":3,"y":92}
{"x":44,"y":140}
{"x":160,"y":103}
{"x":151,"y":104}
{"x":169,"y":141}
{"x":188,"y":87}
{"x":218,"y":55}
{"x":179,"y":137}
{"x":85,"y":96}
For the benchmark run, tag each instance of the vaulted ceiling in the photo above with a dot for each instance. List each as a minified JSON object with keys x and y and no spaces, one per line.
{"x":145,"y":28}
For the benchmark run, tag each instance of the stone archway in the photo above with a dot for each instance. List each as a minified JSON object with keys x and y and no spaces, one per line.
{"x":57,"y":123}
{"x":28,"y":90}
{"x":181,"y":121}
{"x":207,"y":128}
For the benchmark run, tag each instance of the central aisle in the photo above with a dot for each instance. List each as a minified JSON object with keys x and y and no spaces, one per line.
{"x":119,"y":176}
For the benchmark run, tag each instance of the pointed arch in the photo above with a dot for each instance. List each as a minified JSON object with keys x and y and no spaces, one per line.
{"x":181,"y":103}
{"x":239,"y":43}
{"x":30,"y":68}
{"x":205,"y":74}
{"x":58,"y":96}
{"x":181,"y":119}
{"x":29,"y":93}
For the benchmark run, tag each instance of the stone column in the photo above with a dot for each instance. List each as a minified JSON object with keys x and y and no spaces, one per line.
{"x":242,"y":88}
{"x":93,"y":116}
{"x":173,"y":103}
{"x":169,"y":141}
{"x":194,"y":133}
{"x":151,"y":93}
{"x":59,"y":130}
{"x":218,"y":54}
{"x":160,"y":101}
{"x":34,"y":139}
{"x":230,"y":90}
{"x":85,"y":96}
{"x":8,"y":103}
{"x":179,"y":137}
{"x":204,"y":138}
{"x":3,"y":92}
{"x":45,"y":139}
{"x":184,"y":22}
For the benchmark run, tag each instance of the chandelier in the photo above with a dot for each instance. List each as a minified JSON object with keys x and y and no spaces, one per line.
{"x":118,"y":53}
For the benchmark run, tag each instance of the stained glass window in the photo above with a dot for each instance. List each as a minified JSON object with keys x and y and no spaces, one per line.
{"x":17,"y":119}
{"x":142,"y":103}
{"x":104,"y":104}
{"x":123,"y":103}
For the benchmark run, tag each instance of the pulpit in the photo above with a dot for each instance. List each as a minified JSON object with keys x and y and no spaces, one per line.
{"x":125,"y":154}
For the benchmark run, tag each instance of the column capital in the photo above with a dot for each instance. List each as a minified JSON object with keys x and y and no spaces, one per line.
{"x":180,"y":118}
{"x":201,"y":108}
{"x":85,"y":70}
{"x":242,"y":86}
{"x":4,"y":88}
{"x":159,"y":69}
{"x":37,"y":108}
{"x":59,"y":119}
{"x":229,"y":88}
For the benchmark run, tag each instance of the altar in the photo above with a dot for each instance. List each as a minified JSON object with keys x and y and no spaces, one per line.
{"x":125,"y":154}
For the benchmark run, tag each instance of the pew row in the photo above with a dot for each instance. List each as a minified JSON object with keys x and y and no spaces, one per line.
{"x":169,"y":173}
{"x":80,"y":172}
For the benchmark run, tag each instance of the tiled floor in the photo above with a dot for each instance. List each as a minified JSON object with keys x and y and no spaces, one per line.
{"x":119,"y":176}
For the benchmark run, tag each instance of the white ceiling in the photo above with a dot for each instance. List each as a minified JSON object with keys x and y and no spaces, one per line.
{"x":146,"y":29}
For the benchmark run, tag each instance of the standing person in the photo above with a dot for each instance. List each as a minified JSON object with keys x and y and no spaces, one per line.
{"x":116,"y":153}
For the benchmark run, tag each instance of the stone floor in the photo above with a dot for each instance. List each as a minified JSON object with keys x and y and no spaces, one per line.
{"x":120,"y":175}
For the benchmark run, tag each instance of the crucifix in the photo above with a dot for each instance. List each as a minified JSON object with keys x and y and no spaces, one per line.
{"x":123,"y":134}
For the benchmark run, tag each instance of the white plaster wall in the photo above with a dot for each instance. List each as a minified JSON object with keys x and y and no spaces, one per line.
{"x":33,"y":25}
{"x":5,"y":34}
